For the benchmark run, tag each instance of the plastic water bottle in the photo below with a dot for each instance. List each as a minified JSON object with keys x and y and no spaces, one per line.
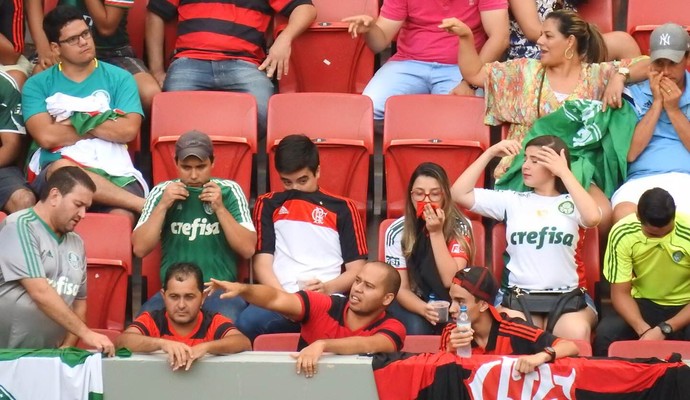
{"x":464,"y":324}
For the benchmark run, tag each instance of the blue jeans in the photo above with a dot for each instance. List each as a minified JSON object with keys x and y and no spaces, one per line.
{"x":255,"y":321}
{"x":410,"y":77}
{"x":229,"y":75}
{"x":230,"y":308}
{"x":415,"y":324}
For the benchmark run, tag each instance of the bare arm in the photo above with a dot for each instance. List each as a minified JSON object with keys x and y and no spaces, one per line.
{"x":447,"y":264}
{"x":263,"y":296}
{"x":105,"y":18}
{"x":563,"y":348}
{"x":233,"y":342}
{"x":133,"y":340}
{"x":471,"y":66}
{"x":378,"y":34}
{"x":463,"y":188}
{"x":495,"y":24}
{"x":627,"y":308}
{"x":240,"y":239}
{"x":122,"y":130}
{"x":79,"y":308}
{"x":343,"y":282}
{"x":52,"y":305}
{"x":7,"y":54}
{"x":263,"y":268}
{"x":34,"y":17}
{"x":278,"y":59}
{"x":50,"y":134}
{"x":10,"y":147}
{"x":527,"y":17}
{"x":155,"y":44}
{"x":407,"y":299}
{"x":644,"y":130}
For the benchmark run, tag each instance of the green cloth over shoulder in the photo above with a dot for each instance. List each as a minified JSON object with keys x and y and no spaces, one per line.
{"x":598,"y":142}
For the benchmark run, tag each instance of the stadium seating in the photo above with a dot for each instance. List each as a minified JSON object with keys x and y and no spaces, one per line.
{"x":2,"y":216}
{"x":649,"y":348}
{"x":228,"y":118}
{"x":342,"y":127}
{"x":599,"y":12}
{"x":151,"y":279}
{"x":448,"y":130}
{"x":276,"y":342}
{"x":644,"y":16}
{"x":590,"y":256}
{"x":477,"y":230}
{"x":326,"y":58}
{"x":109,"y":264}
{"x":583,"y":346}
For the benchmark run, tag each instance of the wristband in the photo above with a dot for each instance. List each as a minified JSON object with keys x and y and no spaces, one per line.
{"x":648,"y":329}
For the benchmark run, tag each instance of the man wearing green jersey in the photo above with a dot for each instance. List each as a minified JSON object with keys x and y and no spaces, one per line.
{"x":43,"y":269}
{"x":199,"y":219}
{"x":647,"y":262}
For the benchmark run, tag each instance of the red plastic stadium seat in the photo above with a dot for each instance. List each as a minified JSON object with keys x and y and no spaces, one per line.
{"x":590,"y":256}
{"x":342,"y":127}
{"x":448,"y":130}
{"x":110,"y":333}
{"x":599,"y":12}
{"x":644,"y":16}
{"x":109,"y":263}
{"x":649,"y":348}
{"x":325,"y":58}
{"x":276,"y":342}
{"x":477,"y":230}
{"x":228,"y":118}
{"x":422,"y":343}
{"x":2,"y":216}
{"x":151,"y":267}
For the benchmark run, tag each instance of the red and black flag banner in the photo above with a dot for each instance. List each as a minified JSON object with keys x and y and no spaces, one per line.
{"x":444,"y":376}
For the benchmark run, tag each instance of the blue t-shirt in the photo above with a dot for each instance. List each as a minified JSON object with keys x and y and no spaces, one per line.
{"x":664,"y":152}
{"x":106,"y":80}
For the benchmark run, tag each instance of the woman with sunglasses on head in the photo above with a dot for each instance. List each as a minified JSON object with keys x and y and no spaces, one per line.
{"x":428,"y":245}
{"x":571,"y":66}
{"x":544,"y":228}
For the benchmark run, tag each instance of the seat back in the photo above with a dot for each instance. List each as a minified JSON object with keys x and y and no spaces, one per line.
{"x":649,"y":348}
{"x":477,"y":230}
{"x":109,"y":263}
{"x":422,"y":343}
{"x":325,"y":58}
{"x":590,"y":256}
{"x":448,"y":130}
{"x":644,"y":16}
{"x":228,"y":118}
{"x":276,"y":342}
{"x":2,"y":216}
{"x":151,"y":277}
{"x":342,"y":127}
{"x":599,"y":12}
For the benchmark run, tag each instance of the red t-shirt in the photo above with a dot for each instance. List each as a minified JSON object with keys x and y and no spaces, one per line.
{"x":323,"y":317}
{"x":208,"y":327}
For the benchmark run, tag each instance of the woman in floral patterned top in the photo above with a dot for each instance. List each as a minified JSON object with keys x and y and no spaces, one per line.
{"x":571,"y":66}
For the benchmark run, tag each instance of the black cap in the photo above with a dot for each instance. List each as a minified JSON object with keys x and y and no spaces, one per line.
{"x":479,"y":282}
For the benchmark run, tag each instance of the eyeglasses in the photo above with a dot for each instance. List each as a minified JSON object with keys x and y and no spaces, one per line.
{"x":73,"y":40}
{"x":420,"y":195}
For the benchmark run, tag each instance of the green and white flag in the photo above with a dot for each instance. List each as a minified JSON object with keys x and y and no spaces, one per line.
{"x":64,"y":374}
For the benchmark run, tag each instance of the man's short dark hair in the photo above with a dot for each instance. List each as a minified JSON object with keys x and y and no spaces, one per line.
{"x":391,"y":283}
{"x":65,"y":179}
{"x":656,"y":208}
{"x":295,"y":152}
{"x":181,"y":271}
{"x":57,"y":18}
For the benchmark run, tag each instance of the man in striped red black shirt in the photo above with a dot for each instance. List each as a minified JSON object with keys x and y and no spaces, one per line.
{"x":307,"y":239}
{"x":221,"y":45}
{"x":337,"y":324}
{"x":492,"y":332}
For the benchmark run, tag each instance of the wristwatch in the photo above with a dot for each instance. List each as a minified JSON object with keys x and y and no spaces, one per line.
{"x":625,"y":72}
{"x":551,"y":352}
{"x":666,"y":329}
